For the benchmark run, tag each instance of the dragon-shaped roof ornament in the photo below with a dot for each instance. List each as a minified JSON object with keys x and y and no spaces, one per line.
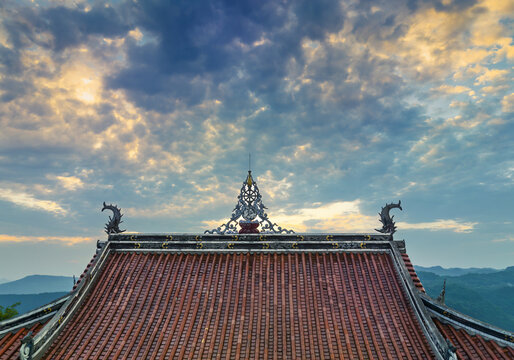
{"x":251,"y":211}
{"x":388,"y":225}
{"x":113,"y":226}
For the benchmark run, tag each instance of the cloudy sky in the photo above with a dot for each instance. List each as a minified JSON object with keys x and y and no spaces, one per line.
{"x":155,"y":105}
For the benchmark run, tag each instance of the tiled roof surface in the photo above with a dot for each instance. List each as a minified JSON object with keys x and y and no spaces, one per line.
{"x":412,"y":272}
{"x":473,"y":346}
{"x":10,"y":343}
{"x":295,"y":305}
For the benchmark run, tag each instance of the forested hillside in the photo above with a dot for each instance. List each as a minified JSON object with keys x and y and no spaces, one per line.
{"x":485,"y":296}
{"x":29,"y":301}
{"x":34,"y":291}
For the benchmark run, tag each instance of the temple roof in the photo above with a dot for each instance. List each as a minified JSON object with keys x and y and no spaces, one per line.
{"x":247,"y":305}
{"x":294,"y":295}
{"x":252,"y":293}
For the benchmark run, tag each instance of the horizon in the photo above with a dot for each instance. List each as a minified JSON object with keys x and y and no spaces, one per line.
{"x":344,"y":106}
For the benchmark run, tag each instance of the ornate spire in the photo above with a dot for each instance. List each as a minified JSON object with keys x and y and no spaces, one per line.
{"x":440,"y":298}
{"x":250,"y":211}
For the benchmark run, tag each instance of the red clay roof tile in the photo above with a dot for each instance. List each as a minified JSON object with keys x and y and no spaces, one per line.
{"x":210,"y":305}
{"x":412,"y":272}
{"x":10,"y":343}
{"x":473,"y":346}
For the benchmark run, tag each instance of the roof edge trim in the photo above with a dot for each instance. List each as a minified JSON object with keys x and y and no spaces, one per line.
{"x":51,"y":330}
{"x":468,"y":323}
{"x":38,"y":314}
{"x":434,"y":337}
{"x":27,"y":324}
{"x":250,"y":242}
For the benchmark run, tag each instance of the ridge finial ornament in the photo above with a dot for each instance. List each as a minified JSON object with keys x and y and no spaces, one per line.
{"x":250,"y":208}
{"x":113,"y":226}
{"x":451,"y":351}
{"x":388,"y":225}
{"x":27,"y":347}
{"x":440,"y":298}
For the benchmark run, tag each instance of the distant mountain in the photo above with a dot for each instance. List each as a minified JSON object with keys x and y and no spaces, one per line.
{"x":487,"y":297}
{"x":455,"y":271}
{"x":30,"y":301}
{"x":3,"y":280}
{"x":36,"y":284}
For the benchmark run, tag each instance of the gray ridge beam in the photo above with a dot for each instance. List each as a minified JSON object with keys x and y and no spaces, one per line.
{"x":471,"y":325}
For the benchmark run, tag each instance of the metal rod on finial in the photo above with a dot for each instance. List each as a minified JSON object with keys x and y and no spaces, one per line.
{"x":249,"y":162}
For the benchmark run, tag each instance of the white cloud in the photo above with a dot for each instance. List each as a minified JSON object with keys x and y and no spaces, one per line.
{"x":71,"y":183}
{"x":411,"y":185}
{"x":457,"y":226}
{"x":274,"y":188}
{"x":448,"y":89}
{"x":508,"y":103}
{"x":68,"y":240}
{"x":28,"y":201}
{"x":491,"y":76}
{"x":505,"y":239}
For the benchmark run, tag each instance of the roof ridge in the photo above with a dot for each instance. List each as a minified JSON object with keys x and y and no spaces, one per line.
{"x":259,"y":243}
{"x":38,"y":314}
{"x":467,"y":322}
